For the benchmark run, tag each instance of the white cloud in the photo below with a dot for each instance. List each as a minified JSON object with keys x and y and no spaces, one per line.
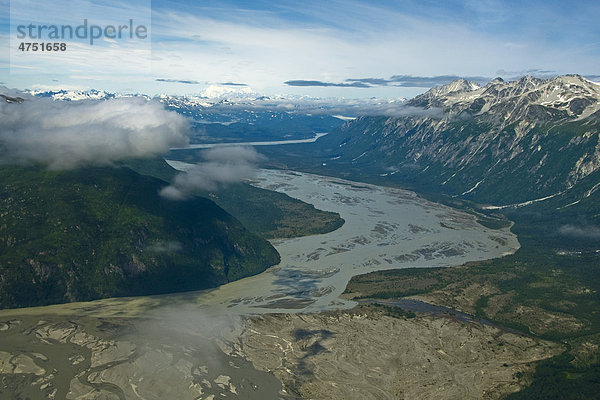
{"x":70,"y":134}
{"x":584,"y":231}
{"x":221,"y":91}
{"x":265,"y":52}
{"x":223,"y":166}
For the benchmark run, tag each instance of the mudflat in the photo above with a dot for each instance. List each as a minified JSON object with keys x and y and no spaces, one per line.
{"x":182,"y":352}
{"x":364,"y":353}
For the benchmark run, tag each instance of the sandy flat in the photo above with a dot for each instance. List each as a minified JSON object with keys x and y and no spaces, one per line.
{"x":362,"y":354}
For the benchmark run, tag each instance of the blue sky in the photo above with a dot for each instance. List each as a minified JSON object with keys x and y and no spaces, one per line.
{"x":334,"y":48}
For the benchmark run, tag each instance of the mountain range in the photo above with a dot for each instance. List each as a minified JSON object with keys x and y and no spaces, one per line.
{"x":523,"y":154}
{"x":218,"y":107}
{"x":530,"y":144}
{"x":505,"y":144}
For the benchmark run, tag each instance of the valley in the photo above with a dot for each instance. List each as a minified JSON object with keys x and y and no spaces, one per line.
{"x":116,"y":345}
{"x":447,"y":252}
{"x":526,"y":149}
{"x":384,"y":228}
{"x":283,"y":200}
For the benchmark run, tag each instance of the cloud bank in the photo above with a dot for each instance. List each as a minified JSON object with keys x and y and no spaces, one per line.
{"x":301,"y":82}
{"x":187,"y":82}
{"x":407,"y":81}
{"x":223,"y":165}
{"x":66,"y":135}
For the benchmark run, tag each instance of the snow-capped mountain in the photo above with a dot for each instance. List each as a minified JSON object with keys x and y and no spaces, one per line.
{"x":529,"y":98}
{"x":506,"y":143}
{"x":436,"y":95}
{"x":10,"y":99}
{"x":214,"y":102}
{"x":74,"y":95}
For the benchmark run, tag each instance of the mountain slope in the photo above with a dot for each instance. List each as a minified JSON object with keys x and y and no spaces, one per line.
{"x":101,"y":232}
{"x":504,"y":144}
{"x":527,"y":149}
{"x":267,"y":213}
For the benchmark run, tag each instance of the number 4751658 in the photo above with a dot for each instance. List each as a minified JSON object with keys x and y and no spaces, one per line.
{"x":43,"y":46}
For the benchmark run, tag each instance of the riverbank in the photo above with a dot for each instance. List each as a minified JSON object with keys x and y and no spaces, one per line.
{"x":197,"y":345}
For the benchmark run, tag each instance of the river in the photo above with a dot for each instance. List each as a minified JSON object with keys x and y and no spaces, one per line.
{"x":189,"y":345}
{"x":385,"y":228}
{"x":263,"y":143}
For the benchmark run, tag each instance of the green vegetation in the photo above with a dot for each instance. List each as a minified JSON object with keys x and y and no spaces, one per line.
{"x":558,"y":379}
{"x":272,"y":214}
{"x":397,"y":283}
{"x":549,"y":288}
{"x":540,"y":295}
{"x":267,"y":213}
{"x":391,"y":311}
{"x":101,"y":232}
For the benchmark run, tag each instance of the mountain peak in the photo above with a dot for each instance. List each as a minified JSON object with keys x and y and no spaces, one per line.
{"x":529,"y":80}
{"x":436,"y":96}
{"x":459,"y":85}
{"x":527,"y":98}
{"x":574,"y":79}
{"x":10,"y":99}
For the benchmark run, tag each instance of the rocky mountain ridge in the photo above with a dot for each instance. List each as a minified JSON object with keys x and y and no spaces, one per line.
{"x":505,"y":143}
{"x":528,"y":98}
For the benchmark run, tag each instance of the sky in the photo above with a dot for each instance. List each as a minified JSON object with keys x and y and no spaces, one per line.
{"x":351,"y":49}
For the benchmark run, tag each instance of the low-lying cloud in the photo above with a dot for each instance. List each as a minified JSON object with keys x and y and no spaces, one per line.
{"x":583,"y":231}
{"x":410,"y":111}
{"x":222,"y":166}
{"x":66,"y":135}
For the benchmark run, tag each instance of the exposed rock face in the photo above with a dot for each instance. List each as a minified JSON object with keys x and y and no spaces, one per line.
{"x":562,"y":97}
{"x":503,"y":143}
{"x":10,"y":99}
